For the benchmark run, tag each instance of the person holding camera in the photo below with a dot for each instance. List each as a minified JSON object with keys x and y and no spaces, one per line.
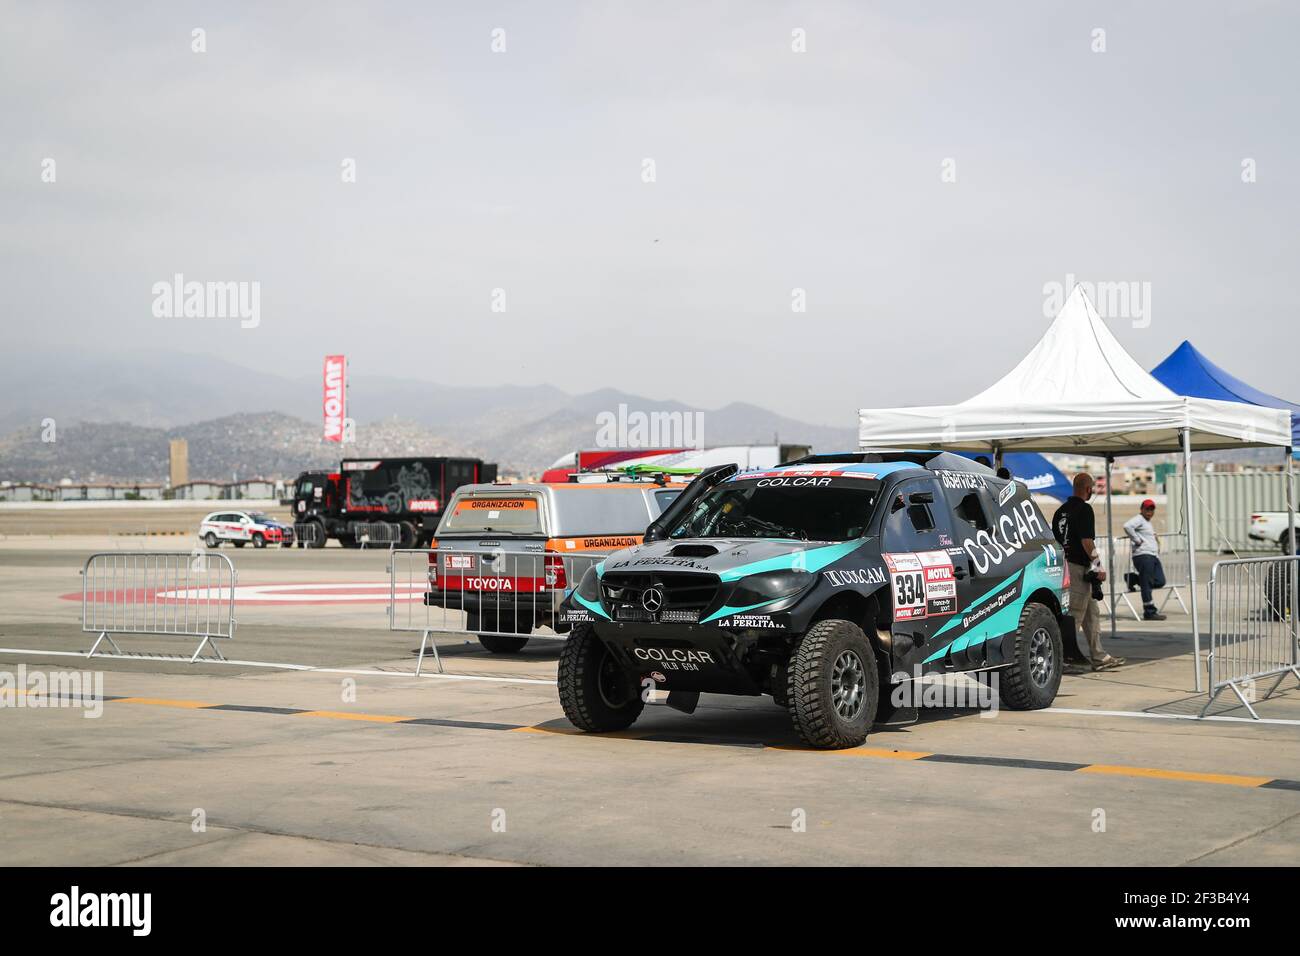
{"x":1075,"y":528}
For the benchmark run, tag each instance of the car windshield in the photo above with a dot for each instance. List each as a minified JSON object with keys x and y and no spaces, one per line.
{"x":820,"y":509}
{"x":504,"y":514}
{"x":259,"y":516}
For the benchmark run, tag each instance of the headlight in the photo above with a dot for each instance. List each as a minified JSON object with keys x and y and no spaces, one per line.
{"x":771,"y":586}
{"x":589,"y":586}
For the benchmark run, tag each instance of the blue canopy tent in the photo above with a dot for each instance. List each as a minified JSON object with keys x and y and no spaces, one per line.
{"x":1187,"y":372}
{"x":1036,"y":472}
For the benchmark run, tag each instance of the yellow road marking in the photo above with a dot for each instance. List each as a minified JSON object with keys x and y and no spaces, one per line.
{"x":883,"y":752}
{"x":886,"y":752}
{"x":160,"y":702}
{"x":1233,"y":780}
{"x":1226,"y":779}
{"x":345,"y":715}
{"x":575,"y":732}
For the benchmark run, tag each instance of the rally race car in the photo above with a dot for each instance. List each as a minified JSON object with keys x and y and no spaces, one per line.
{"x":823,"y":583}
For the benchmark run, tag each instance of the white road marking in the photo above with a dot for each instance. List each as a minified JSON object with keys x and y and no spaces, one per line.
{"x":532,"y":680}
{"x":1141,"y":713}
{"x":287,"y":667}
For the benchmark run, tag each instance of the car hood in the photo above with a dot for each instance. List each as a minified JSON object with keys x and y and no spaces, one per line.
{"x":730,"y":558}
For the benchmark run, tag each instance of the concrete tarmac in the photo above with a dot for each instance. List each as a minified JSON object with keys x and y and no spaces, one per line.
{"x":318,"y":745}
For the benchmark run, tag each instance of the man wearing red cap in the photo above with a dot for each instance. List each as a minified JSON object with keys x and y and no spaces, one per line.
{"x":1150,"y":574}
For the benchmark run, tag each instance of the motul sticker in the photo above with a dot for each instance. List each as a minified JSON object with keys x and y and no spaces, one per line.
{"x":422,"y":504}
{"x":923,"y":584}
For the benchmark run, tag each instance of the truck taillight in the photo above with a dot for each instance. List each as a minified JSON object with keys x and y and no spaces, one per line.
{"x":1065,"y":578}
{"x":554,"y":569}
{"x":433,"y":566}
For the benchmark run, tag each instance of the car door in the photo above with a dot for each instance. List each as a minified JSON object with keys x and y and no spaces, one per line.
{"x":1010,"y":551}
{"x":916,"y":546}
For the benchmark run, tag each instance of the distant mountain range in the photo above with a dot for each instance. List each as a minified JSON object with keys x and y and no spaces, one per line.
{"x":115,"y":414}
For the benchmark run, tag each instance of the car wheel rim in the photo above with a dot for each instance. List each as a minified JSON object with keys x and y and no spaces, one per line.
{"x":611,"y":683}
{"x":848,"y":685}
{"x":1041,"y":658}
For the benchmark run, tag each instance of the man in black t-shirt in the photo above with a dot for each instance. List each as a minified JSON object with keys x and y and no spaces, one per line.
{"x":1075,"y":527}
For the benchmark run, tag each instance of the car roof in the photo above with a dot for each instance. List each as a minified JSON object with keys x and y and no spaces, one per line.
{"x":885,"y":463}
{"x":831,"y":467}
{"x":565,"y":486}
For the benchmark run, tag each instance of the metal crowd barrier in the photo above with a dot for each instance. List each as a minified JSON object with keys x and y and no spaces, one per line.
{"x":1173,"y":558}
{"x":309,"y":534}
{"x":158,"y":593}
{"x":370,"y":533}
{"x":498,"y":594}
{"x":1253,"y":626}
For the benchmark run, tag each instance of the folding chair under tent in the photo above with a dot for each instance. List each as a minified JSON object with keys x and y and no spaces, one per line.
{"x":1079,"y":392}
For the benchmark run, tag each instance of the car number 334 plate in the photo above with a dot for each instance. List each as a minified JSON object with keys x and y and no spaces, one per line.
{"x":923,"y":584}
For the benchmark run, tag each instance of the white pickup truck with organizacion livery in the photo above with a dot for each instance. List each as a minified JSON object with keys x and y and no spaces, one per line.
{"x":505,"y":553}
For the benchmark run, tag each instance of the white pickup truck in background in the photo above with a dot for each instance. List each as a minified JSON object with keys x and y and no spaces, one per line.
{"x":1271,"y":526}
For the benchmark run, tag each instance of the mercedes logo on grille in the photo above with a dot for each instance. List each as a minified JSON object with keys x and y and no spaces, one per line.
{"x":652,"y":599}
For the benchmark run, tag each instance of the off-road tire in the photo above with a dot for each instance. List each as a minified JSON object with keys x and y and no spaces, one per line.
{"x":211,"y":540}
{"x":810,"y":679}
{"x":502,"y":645}
{"x":318,"y":538}
{"x":1277,"y":591}
{"x":259,"y":541}
{"x":495,"y":642}
{"x":582,"y":660}
{"x":1030,"y":683}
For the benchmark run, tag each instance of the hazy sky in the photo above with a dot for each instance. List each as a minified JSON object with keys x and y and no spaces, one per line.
{"x":775,"y":170}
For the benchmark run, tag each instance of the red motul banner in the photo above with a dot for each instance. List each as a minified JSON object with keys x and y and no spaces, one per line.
{"x":335,"y":396}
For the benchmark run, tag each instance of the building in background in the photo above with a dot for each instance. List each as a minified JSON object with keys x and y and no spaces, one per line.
{"x":199,"y":491}
{"x":69,"y":490}
{"x":179,"y":460}
{"x":25,"y":491}
{"x":259,"y":488}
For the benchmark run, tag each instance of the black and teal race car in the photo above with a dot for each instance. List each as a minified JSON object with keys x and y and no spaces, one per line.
{"x":823,"y":583}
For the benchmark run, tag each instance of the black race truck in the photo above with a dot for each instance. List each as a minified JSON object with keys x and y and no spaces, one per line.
{"x":823,"y":583}
{"x":408,"y":493}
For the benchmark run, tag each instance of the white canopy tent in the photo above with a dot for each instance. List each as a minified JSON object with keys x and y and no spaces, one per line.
{"x":1079,"y":392}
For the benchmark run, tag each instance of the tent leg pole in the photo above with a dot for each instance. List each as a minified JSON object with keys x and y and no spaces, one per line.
{"x":1295,"y":570}
{"x":1110,"y":547}
{"x":1191,"y":554}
